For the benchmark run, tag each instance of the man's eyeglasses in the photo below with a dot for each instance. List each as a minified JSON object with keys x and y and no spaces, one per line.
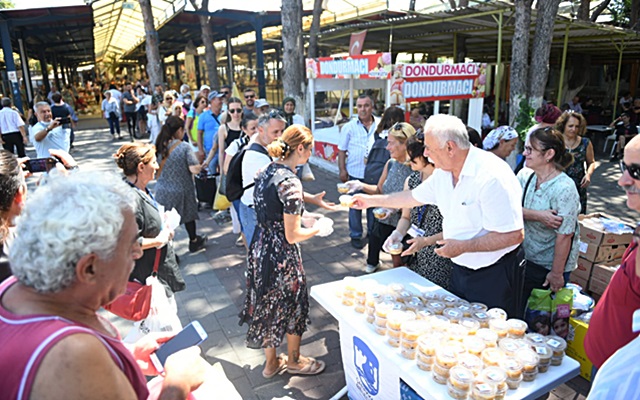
{"x":235,"y":110}
{"x":633,"y":169}
{"x":249,"y":96}
{"x":225,"y":93}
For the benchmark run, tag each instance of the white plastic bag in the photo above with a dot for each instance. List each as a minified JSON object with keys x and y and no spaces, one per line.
{"x":163,"y":313}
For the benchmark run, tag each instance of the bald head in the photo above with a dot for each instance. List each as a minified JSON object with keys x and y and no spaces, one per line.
{"x":633,"y":145}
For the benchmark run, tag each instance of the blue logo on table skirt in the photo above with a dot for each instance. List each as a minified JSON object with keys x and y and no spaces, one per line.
{"x":367,"y":365}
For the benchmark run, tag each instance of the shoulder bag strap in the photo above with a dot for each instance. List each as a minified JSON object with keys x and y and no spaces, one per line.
{"x":164,"y":160}
{"x":156,"y":262}
{"x":526,"y":187}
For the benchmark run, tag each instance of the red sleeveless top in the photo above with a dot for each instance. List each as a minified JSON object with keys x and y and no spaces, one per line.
{"x":26,"y":339}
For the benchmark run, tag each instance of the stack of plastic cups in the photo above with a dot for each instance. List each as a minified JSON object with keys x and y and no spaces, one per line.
{"x":482,"y":317}
{"x":491,"y":356}
{"x":394,"y":323}
{"x":529,"y":360}
{"x":474,"y":345}
{"x":459,"y":382}
{"x":410,"y":331}
{"x":471,"y":324}
{"x":450,"y":300}
{"x":489,"y":337}
{"x":513,"y":368}
{"x":545,"y":354}
{"x":500,"y":327}
{"x":372,"y":299}
{"x":360,"y":297}
{"x":497,"y":313}
{"x":446,"y":358}
{"x":470,"y":362}
{"x":427,"y":345}
{"x":454,"y":314}
{"x":509,"y":346}
{"x":558,"y":345}
{"x":481,"y":390}
{"x":435,"y":306}
{"x":381,"y":312}
{"x":517,"y":328}
{"x":349,"y":291}
{"x":497,"y":377}
{"x":457,"y":332}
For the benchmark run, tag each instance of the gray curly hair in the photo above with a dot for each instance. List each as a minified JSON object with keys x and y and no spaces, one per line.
{"x":65,"y":220}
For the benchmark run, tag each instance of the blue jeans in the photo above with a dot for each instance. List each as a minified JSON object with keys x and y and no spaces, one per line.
{"x":236,"y":206}
{"x":355,"y":219}
{"x":248,"y":220}
{"x":114,"y":125}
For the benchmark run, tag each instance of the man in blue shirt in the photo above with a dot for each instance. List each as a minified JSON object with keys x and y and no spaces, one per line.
{"x":208,"y":124}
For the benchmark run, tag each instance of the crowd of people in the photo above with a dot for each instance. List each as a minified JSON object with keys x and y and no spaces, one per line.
{"x":466,"y":221}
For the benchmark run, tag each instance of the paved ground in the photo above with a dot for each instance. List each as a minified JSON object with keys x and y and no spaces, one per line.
{"x":215,"y":281}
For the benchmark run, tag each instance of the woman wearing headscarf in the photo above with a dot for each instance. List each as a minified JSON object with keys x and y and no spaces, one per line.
{"x":289,"y":108}
{"x":501,"y":141}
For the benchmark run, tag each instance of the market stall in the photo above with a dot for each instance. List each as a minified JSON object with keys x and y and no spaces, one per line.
{"x":436,"y":82}
{"x":376,"y":369}
{"x":358,"y":72}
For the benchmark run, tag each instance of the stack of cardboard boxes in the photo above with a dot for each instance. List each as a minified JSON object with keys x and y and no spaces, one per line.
{"x":600,"y":254}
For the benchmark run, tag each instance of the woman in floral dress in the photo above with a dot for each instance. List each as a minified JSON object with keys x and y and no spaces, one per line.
{"x":277,"y":300}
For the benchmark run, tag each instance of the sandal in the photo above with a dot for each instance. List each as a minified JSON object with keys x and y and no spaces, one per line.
{"x":282,"y":365}
{"x":313,"y":367}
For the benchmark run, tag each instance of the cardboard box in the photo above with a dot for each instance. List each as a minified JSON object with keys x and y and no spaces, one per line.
{"x":604,"y":272}
{"x":575,"y":348}
{"x":578,"y":280}
{"x":583,"y":270}
{"x":591,"y":233}
{"x":601,"y":253}
{"x":596,"y":286}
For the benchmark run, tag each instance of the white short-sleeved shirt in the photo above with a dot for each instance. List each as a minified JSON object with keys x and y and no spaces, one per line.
{"x":618,"y":376}
{"x":10,"y":121}
{"x":486,"y":199}
{"x":354,"y":139}
{"x":58,"y":138}
{"x":252,"y":163}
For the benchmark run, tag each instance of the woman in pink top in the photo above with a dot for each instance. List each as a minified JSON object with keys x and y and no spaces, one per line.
{"x":74,"y":249}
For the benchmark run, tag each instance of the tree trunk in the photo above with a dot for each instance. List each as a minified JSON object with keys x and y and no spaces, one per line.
{"x":519,"y":58}
{"x":596,"y":13}
{"x":293,"y":50}
{"x":206,"y":33}
{"x":539,"y":71}
{"x":461,"y":53}
{"x":312,"y":51}
{"x":154,"y":64}
{"x":576,"y":77}
{"x":583,"y":10}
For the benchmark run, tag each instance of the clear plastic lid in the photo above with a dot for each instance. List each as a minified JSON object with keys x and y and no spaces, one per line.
{"x":497,"y":313}
{"x":511,"y":365}
{"x":495,"y":375}
{"x":471,"y":324}
{"x":465,"y":308}
{"x":478,"y":307}
{"x":431,"y":295}
{"x":527,"y":357}
{"x":461,"y":376}
{"x":483,"y":389}
{"x":428,"y":343}
{"x":423,"y":314}
{"x":487,"y":335}
{"x":471,"y":362}
{"x":517,"y":326}
{"x":396,"y":317}
{"x":481,"y":316}
{"x":535,"y":339}
{"x":384,"y":308}
{"x":435,"y":306}
{"x":543,"y":351}
{"x":446,"y":355}
{"x":454,"y":314}
{"x":412,"y":329}
{"x":499,"y":326}
{"x":556,"y":343}
{"x":508,"y":345}
{"x":450,"y":300}
{"x":439,"y":323}
{"x":457,"y":332}
{"x":492,"y":355}
{"x":473,"y":344}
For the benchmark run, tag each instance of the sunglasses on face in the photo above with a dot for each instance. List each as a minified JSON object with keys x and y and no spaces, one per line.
{"x":633,"y":170}
{"x":277,"y":114}
{"x":398,"y":128}
{"x":225,"y":93}
{"x":235,"y":110}
{"x":168,"y":98}
{"x":249,"y":96}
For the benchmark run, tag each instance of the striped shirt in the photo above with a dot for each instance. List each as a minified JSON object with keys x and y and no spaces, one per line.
{"x":354,"y":139}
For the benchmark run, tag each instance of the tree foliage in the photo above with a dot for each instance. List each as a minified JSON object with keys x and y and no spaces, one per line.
{"x":6,"y":4}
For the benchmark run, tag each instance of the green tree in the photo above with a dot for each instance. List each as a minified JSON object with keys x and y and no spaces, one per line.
{"x":6,"y":4}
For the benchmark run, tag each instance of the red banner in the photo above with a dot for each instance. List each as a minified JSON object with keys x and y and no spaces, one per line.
{"x":368,"y":66}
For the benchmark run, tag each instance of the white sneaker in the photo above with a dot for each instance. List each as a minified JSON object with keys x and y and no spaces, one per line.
{"x":371,"y":268}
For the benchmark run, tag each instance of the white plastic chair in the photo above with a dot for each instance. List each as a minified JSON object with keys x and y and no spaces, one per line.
{"x":611,"y":137}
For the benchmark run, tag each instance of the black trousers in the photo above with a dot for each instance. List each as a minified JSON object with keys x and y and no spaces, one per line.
{"x":132,"y":117}
{"x":498,"y":285}
{"x":377,"y":237}
{"x":11,"y":140}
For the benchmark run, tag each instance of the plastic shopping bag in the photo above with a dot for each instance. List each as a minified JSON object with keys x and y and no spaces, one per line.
{"x":163,"y":314}
{"x":538,"y":313}
{"x":221,"y":202}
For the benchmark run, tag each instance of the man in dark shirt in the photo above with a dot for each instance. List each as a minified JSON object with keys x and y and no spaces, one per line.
{"x":129,"y":101}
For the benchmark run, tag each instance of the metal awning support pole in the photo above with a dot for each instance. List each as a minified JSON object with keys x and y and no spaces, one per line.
{"x":26,"y":75}
{"x":7,"y":50}
{"x":229,"y":61}
{"x":496,"y":113}
{"x":620,"y":49}
{"x":350,"y":96}
{"x":564,"y":62}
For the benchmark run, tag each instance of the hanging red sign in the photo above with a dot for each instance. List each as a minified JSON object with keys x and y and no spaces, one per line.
{"x":367,"y":66}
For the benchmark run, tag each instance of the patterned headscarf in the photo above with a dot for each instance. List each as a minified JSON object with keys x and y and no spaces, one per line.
{"x":502,"y":132}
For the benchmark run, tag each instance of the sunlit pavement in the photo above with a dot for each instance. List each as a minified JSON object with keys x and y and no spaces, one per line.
{"x":215,"y":282}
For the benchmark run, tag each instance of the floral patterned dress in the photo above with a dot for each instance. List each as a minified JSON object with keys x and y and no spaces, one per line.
{"x":426,"y":262}
{"x":277,"y":300}
{"x":577,"y":171}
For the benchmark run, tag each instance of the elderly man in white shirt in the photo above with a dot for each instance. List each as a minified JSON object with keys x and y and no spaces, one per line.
{"x":14,"y":135}
{"x":479,"y":198}
{"x":353,"y":148}
{"x":48,"y":132}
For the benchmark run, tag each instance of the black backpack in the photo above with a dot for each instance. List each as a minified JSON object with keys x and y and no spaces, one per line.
{"x":234,"y":173}
{"x":376,"y":160}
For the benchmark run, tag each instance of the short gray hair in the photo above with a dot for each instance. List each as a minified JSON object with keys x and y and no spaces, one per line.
{"x":448,"y":128}
{"x":40,"y":104}
{"x":6,"y":102}
{"x":267,"y":116}
{"x":64,"y":220}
